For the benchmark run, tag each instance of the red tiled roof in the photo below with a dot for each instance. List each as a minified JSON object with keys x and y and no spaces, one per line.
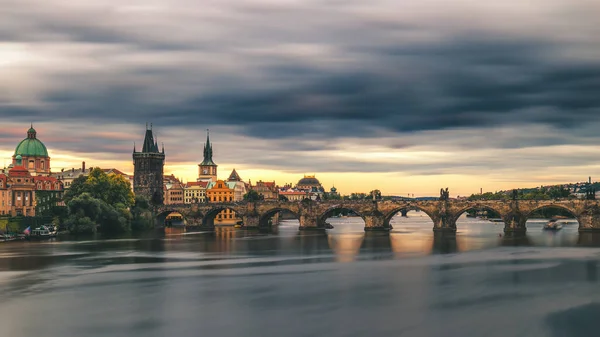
{"x":292,"y":193}
{"x":42,"y":178}
{"x":197,"y":183}
{"x":18,"y":171}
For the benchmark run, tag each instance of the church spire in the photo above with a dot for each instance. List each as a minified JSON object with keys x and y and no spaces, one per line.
{"x":208,"y":152}
{"x":150,"y":145}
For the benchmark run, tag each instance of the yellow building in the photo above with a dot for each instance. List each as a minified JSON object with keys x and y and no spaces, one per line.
{"x":220,"y":192}
{"x":195,"y":192}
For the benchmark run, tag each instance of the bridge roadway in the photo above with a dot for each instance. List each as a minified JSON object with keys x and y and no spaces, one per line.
{"x":377,"y":214}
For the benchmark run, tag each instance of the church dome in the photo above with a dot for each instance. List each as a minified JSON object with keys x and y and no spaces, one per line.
{"x":309,"y":181}
{"x":31,"y":146}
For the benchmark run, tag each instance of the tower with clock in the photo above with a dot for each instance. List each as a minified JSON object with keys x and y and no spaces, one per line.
{"x":207,"y":169}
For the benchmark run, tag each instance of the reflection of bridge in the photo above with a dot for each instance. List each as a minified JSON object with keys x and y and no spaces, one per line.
{"x":377,"y":214}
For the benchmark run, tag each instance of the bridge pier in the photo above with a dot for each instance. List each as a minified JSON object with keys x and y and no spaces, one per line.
{"x":444,"y":223}
{"x":309,"y":222}
{"x":251,"y":221}
{"x":404,"y":212}
{"x":375,"y":223}
{"x":515,"y":223}
{"x":589,"y":220}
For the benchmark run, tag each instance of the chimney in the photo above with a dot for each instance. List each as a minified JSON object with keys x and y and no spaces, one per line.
{"x":82,"y":166}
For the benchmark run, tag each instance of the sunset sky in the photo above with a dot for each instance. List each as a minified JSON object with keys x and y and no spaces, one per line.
{"x":404,"y":96}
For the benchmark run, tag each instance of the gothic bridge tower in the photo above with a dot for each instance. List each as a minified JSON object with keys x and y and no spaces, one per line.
{"x":148,"y":169}
{"x":207,"y":169}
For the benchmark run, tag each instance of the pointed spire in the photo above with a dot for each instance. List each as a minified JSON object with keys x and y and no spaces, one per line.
{"x":208,"y":153}
{"x":150,"y":145}
{"x":134,"y":147}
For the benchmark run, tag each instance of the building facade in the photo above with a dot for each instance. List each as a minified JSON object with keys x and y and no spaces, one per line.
{"x":239,"y":187}
{"x":22,"y":194}
{"x":207,"y":169}
{"x":219,"y":192}
{"x":195,"y":192}
{"x":148,"y":170}
{"x":173,"y":190}
{"x":268,"y":189}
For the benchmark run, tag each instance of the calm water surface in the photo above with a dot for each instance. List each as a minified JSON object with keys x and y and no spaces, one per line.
{"x":291,"y":283}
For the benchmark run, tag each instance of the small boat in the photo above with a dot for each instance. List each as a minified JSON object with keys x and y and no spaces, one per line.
{"x":43,"y":232}
{"x":553,"y":225}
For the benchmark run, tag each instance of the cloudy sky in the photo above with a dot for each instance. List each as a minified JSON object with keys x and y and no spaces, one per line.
{"x":402,"y":95}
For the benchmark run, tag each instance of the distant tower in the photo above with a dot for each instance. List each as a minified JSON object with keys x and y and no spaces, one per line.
{"x":207,"y":169}
{"x":148,"y":169}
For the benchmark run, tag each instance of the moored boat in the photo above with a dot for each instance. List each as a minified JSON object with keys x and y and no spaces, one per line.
{"x":553,"y":225}
{"x":43,"y":232}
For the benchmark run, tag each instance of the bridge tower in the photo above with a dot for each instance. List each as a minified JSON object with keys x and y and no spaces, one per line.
{"x":148,"y":169}
{"x":207,"y":170}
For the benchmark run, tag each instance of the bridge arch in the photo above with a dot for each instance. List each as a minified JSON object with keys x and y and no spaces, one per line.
{"x":222,"y":214}
{"x":264,"y":217}
{"x":162,"y":217}
{"x":576,"y":215}
{"x":405,"y":207}
{"x":478,"y":207}
{"x":324,"y":215}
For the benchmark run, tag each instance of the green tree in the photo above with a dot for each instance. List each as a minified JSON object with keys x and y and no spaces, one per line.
{"x":84,"y":212}
{"x":112,"y":189}
{"x":141,"y":215}
{"x":252,"y":196}
{"x":106,"y":201}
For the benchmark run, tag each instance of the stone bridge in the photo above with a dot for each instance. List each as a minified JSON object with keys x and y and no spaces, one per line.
{"x":377,"y":214}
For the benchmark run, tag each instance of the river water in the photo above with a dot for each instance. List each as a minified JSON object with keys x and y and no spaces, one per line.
{"x":290,"y":283}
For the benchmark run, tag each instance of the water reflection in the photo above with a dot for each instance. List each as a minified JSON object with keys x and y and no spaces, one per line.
{"x":345,"y":246}
{"x":515,"y":240}
{"x":444,"y":243}
{"x":177,"y":282}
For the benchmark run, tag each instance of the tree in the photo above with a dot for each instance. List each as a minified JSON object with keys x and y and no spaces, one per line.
{"x":253,"y":196}
{"x":84,"y":212}
{"x":141,"y":215}
{"x":100,"y":201}
{"x":78,"y":187}
{"x":111,"y":189}
{"x":283,"y":198}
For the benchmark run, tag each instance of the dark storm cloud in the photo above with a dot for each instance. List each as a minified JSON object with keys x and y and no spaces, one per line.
{"x":317,"y":72}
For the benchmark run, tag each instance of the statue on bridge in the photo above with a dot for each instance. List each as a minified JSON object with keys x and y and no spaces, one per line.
{"x":590,"y":194}
{"x":444,"y":194}
{"x":515,"y":194}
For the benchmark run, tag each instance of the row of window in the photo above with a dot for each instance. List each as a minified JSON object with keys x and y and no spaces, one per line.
{"x":215,"y":199}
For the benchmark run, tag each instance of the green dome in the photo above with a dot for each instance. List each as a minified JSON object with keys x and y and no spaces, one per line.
{"x":31,"y":146}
